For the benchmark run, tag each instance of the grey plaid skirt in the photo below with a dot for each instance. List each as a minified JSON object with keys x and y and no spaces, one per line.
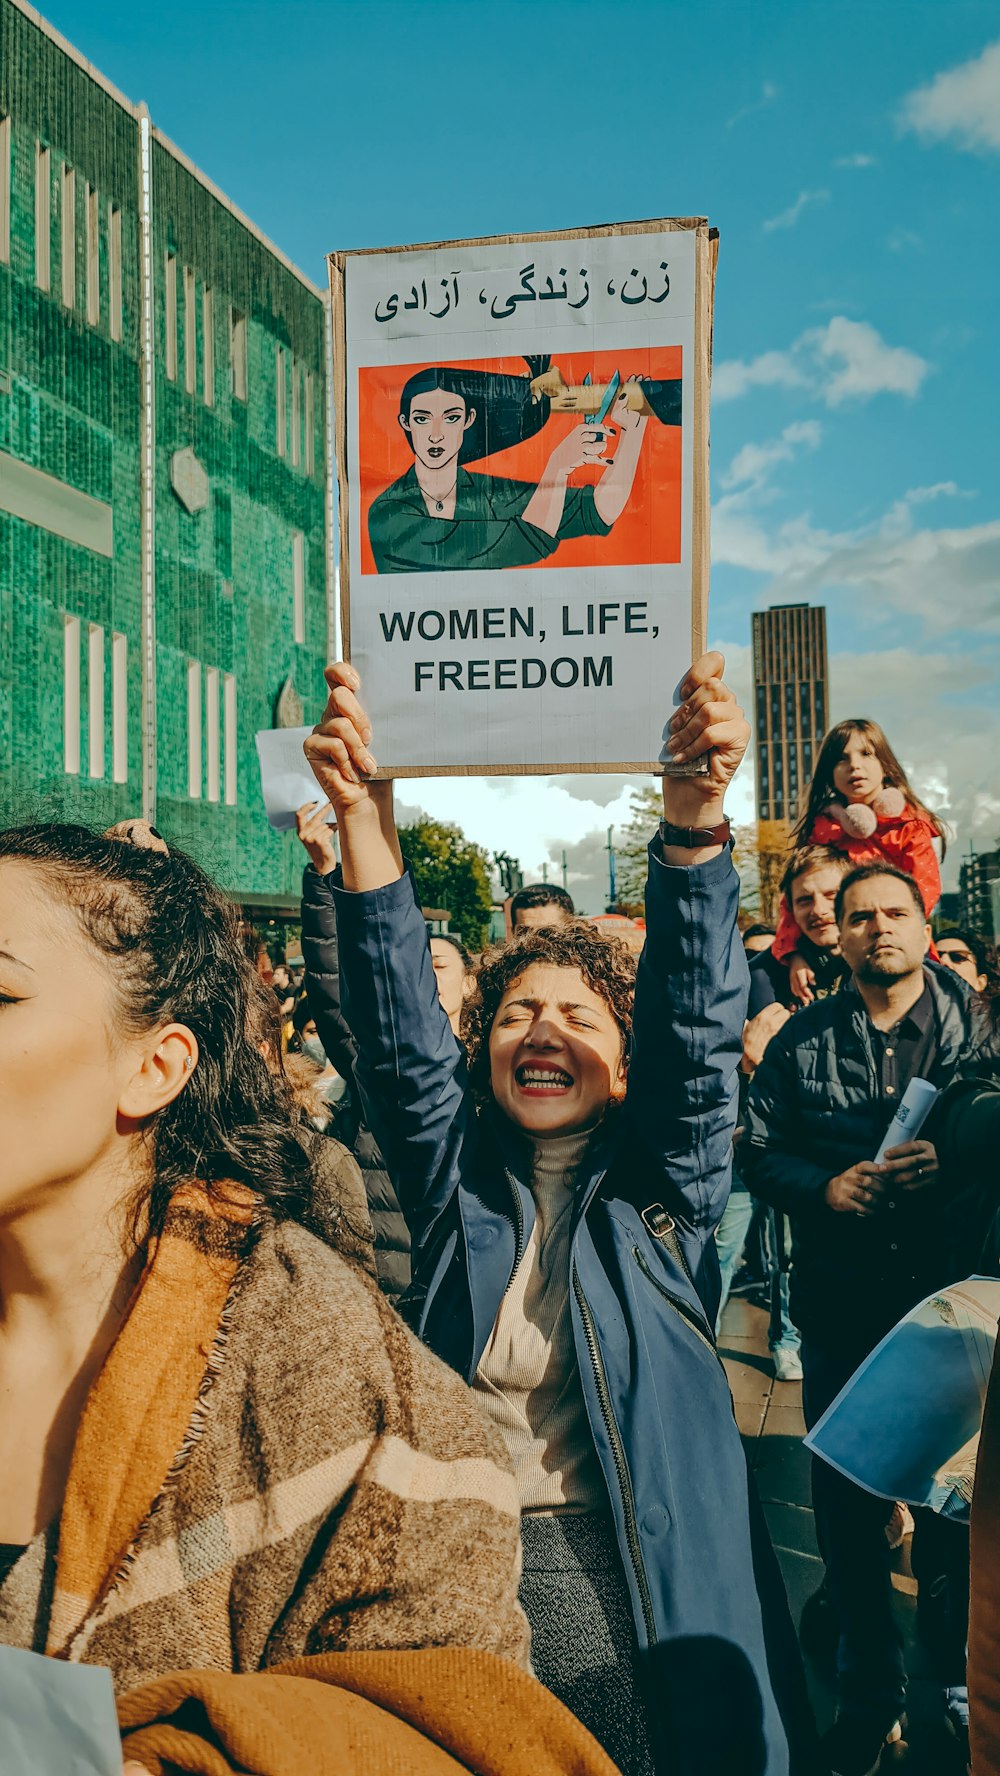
{"x":584,"y":1648}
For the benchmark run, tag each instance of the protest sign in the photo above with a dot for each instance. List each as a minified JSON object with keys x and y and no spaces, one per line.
{"x":906,"y":1425}
{"x":522,"y":462}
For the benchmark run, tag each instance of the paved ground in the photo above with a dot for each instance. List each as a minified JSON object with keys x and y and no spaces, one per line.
{"x":769,"y":1414}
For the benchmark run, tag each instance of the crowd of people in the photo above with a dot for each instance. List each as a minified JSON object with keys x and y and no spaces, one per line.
{"x":362,"y":1312}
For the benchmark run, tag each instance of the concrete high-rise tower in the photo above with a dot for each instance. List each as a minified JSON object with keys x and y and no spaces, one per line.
{"x":791,"y":704}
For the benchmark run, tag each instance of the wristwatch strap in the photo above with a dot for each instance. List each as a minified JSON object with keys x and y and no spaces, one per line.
{"x":695,"y":838}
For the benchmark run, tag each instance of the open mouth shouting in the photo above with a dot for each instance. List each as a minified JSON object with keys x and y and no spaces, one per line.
{"x":543,"y":1079}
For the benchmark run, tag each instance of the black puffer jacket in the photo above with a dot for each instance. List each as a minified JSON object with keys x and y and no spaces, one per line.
{"x":813,"y":1110}
{"x":319,"y":949}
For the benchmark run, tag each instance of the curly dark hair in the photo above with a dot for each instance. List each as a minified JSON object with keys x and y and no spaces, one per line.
{"x":606,"y":964}
{"x":174,"y":951}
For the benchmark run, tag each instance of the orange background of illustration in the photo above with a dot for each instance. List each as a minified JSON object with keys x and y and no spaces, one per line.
{"x":649,"y":529}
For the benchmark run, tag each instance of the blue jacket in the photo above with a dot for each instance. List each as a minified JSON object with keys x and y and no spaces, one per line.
{"x":814,"y":1110}
{"x":707,"y":1599}
{"x":319,"y":950}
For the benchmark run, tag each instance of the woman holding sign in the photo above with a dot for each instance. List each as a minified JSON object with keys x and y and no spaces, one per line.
{"x":561,"y":1190}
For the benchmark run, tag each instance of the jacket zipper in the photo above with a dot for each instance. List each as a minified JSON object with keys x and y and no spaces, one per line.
{"x":518,"y":1225}
{"x":680,"y":1307}
{"x":618,"y":1454}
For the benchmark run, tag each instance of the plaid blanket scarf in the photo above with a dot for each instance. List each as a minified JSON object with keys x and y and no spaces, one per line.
{"x":270,"y":1465}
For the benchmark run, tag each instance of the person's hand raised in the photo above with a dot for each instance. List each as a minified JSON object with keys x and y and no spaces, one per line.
{"x":316,"y":834}
{"x":708,"y":723}
{"x":337,"y":748}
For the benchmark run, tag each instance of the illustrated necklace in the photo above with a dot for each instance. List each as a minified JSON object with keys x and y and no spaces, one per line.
{"x":439,"y":504}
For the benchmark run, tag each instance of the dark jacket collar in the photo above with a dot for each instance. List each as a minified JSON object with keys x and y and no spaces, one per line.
{"x":945,"y":998}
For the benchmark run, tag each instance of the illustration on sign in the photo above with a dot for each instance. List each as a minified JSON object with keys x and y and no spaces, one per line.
{"x":506,"y":467}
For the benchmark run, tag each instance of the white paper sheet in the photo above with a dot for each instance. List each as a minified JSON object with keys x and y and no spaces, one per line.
{"x":56,"y":1719}
{"x":285,"y":778}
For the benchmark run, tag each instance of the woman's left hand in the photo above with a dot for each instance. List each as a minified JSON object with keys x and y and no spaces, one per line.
{"x":709,"y":721}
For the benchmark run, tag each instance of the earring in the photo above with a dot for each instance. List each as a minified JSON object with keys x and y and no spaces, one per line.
{"x":189,"y":1062}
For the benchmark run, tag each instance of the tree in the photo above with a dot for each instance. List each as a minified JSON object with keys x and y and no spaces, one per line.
{"x":451,"y":873}
{"x":631,"y":862}
{"x":631,"y":847}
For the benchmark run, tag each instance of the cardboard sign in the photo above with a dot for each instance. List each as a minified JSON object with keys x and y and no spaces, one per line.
{"x":522,"y":462}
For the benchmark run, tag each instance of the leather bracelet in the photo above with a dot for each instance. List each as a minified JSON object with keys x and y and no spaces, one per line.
{"x":695,"y":838}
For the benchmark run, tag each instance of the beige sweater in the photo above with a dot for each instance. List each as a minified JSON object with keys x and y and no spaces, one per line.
{"x":528,"y":1380}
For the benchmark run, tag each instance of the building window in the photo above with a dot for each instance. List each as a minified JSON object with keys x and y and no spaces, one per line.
{"x":93,"y":258}
{"x":119,"y":708}
{"x":229,"y":737}
{"x":299,"y":586}
{"x":208,"y":348}
{"x":310,"y":425}
{"x":281,"y":425}
{"x":194,"y":729}
{"x":190,"y":333}
{"x":71,"y":696}
{"x":170,"y":313}
{"x":95,"y":699}
{"x":4,"y":189}
{"x":238,"y":353}
{"x":43,"y":219}
{"x":296,"y":417}
{"x":212,"y":732}
{"x":114,"y":271}
{"x":68,"y":228}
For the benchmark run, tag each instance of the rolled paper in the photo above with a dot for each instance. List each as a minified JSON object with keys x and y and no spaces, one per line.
{"x":914,"y":1108}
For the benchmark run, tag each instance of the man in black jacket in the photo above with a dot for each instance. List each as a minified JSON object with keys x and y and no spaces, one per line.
{"x":869,"y":1241}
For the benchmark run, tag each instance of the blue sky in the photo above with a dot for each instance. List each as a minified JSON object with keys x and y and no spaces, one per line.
{"x":849,"y":155}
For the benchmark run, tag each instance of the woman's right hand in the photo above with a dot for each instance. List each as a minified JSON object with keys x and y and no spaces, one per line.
{"x":582,"y":447}
{"x":337,"y":748}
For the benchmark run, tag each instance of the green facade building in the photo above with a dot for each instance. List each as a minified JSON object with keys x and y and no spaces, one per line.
{"x":164,"y":563}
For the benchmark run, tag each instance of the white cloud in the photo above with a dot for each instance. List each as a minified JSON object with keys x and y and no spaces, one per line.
{"x":754,"y":462}
{"x":961,"y":103}
{"x":866,"y":364}
{"x":855,"y":162}
{"x":898,"y":520}
{"x":767,"y":96}
{"x":788,"y":218}
{"x":734,"y":376}
{"x":934,"y":582}
{"x":845,"y":360}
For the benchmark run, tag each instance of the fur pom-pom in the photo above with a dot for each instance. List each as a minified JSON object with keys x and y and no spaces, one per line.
{"x":889,"y":802}
{"x":856,"y":818}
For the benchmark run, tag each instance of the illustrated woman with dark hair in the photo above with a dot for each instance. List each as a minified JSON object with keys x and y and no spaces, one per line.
{"x":229,"y":1451}
{"x":562,"y":1169}
{"x":440,"y":516}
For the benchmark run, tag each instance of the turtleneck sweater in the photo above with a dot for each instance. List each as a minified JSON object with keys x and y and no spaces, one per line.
{"x":528,"y":1380}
